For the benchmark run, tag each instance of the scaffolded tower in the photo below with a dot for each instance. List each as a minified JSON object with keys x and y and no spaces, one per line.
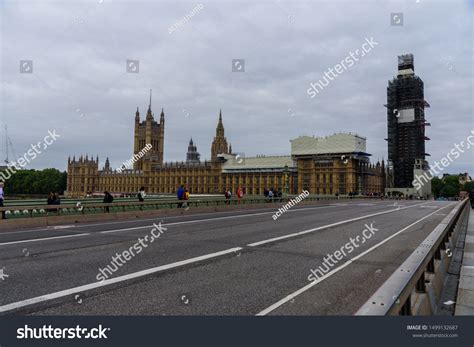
{"x":406,"y":123}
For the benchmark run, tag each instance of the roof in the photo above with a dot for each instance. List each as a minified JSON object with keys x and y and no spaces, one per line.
{"x":261,"y":162}
{"x":337,"y":143}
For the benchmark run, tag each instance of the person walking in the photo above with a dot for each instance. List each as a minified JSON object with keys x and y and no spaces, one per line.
{"x":180,"y":195}
{"x":141,"y":194}
{"x":270,"y":195}
{"x":2,"y":197}
{"x":108,"y":199}
{"x":186,"y":198}
{"x":57,"y":200}
{"x":227,"y":195}
{"x":240,"y":194}
{"x":50,"y":201}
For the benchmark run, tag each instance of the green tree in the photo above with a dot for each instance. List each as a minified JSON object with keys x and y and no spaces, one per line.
{"x":436,"y":186}
{"x":449,"y":191}
{"x":36,"y":182}
{"x":469,"y":186}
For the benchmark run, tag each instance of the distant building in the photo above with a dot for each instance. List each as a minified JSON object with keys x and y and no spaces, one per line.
{"x":336,"y":164}
{"x":464,"y":178}
{"x":193,"y":156}
{"x":406,"y":129}
{"x":150,"y":132}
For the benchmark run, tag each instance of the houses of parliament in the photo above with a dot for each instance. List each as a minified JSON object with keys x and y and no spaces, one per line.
{"x":335,"y":164}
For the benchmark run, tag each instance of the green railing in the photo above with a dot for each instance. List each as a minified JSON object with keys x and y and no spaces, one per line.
{"x":80,"y":208}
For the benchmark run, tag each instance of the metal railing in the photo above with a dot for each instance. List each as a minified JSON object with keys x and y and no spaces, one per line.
{"x":406,"y":291}
{"x":129,"y":206}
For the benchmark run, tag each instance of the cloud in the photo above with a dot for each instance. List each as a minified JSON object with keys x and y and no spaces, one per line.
{"x":80,"y":87}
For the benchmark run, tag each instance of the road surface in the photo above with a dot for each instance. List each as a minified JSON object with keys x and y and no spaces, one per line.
{"x":227,"y":263}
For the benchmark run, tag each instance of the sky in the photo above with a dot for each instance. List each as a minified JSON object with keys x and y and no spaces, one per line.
{"x":75,"y":78}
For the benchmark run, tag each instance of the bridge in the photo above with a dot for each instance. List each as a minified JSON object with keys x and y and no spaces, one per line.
{"x":333,"y":256}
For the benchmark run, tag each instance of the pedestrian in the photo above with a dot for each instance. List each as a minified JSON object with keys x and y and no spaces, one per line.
{"x":240,"y":194}
{"x":471,"y":198}
{"x":57,"y":200}
{"x":2,"y":197}
{"x":50,"y":201}
{"x":141,"y":194}
{"x":228,"y":195}
{"x":186,"y":198}
{"x":180,"y":194}
{"x":270,"y":195}
{"x":108,"y":199}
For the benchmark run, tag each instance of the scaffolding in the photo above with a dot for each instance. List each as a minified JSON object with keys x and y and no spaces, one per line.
{"x":405,"y":122}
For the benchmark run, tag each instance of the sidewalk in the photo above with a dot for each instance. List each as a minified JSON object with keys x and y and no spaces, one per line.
{"x":465,"y":298}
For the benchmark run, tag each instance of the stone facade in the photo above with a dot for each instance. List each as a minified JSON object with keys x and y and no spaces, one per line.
{"x":330,"y":165}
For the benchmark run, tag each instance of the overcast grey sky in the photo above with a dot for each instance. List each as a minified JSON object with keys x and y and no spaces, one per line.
{"x":80,"y":87}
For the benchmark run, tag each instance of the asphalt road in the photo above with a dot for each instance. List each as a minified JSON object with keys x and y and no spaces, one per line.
{"x":228,"y":263}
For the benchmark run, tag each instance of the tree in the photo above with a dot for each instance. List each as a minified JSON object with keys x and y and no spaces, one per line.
{"x":436,"y":186}
{"x":468,"y":186}
{"x":449,"y":191}
{"x":38,"y":182}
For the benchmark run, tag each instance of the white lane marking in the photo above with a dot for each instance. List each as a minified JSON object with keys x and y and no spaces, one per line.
{"x":43,"y":239}
{"x":212,"y":219}
{"x":105,"y":223}
{"x":170,"y":217}
{"x":56,"y":227}
{"x":428,"y":206}
{"x":259,"y":243}
{"x":70,"y":291}
{"x":150,"y":226}
{"x":339,"y":268}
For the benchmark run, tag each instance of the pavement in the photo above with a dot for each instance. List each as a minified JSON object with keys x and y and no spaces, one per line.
{"x":221,"y":263}
{"x":465,"y":297}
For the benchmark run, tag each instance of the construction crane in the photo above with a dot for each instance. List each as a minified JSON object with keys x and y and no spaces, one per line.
{"x":9,"y":147}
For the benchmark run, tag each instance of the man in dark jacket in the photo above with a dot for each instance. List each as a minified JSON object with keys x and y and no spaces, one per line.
{"x":108,"y":199}
{"x":180,"y":195}
{"x":471,"y":197}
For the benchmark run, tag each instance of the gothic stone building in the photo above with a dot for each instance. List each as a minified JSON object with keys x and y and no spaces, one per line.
{"x":335,"y":164}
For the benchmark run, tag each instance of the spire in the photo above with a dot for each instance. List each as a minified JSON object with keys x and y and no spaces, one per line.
{"x":191,"y":142}
{"x":149,"y":106}
{"x":230,"y":148}
{"x":220,"y":116}
{"x":149,"y":115}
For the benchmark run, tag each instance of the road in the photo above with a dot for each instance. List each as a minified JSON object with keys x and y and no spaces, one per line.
{"x":226,"y":263}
